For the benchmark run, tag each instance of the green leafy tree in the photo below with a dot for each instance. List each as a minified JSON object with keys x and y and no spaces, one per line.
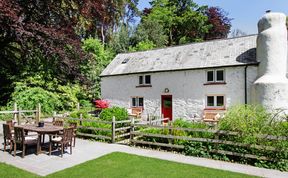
{"x":180,"y":18}
{"x":150,"y":30}
{"x":100,"y":58}
{"x":143,"y":46}
{"x":120,"y":41}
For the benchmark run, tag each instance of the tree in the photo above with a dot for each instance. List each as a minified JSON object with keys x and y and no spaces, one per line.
{"x":180,"y":18}
{"x":43,"y":36}
{"x":120,"y":40}
{"x":221,"y":24}
{"x":112,"y":14}
{"x":100,"y":57}
{"x":150,"y":30}
{"x":143,"y":46}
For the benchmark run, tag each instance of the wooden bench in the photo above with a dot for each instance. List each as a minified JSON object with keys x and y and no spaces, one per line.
{"x":212,"y":115}
{"x":136,"y":111}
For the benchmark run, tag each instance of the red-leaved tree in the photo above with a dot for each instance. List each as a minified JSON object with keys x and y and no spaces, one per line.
{"x":221,"y":24}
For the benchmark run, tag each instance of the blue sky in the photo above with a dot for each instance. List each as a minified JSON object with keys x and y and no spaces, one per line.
{"x":245,"y":13}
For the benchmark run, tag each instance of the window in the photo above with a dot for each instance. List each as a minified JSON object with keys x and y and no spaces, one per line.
{"x":147,"y":79}
{"x":215,"y":101}
{"x":219,"y":75}
{"x":215,"y":75}
{"x":144,"y":79}
{"x":210,"y":76}
{"x":137,"y":101}
{"x":140,"y":80}
{"x":210,"y":100}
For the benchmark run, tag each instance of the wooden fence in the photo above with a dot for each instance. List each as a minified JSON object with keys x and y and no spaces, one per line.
{"x":136,"y":135}
{"x":119,"y":130}
{"x":18,"y":113}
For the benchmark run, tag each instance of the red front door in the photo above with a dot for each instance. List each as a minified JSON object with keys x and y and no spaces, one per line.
{"x":166,"y":105}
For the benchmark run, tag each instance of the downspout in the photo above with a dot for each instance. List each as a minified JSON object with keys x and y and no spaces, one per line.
{"x":245,"y":83}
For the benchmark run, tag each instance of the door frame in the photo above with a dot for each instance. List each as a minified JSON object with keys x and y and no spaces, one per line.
{"x":167,"y":96}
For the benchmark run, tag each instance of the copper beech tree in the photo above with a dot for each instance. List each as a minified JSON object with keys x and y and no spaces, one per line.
{"x":45,"y":36}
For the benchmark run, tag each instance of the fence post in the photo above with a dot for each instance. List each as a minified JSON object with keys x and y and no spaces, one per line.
{"x":81,"y":117}
{"x":132,"y":129}
{"x":54,"y":116}
{"x":15,"y":112}
{"x":38,"y":113}
{"x":170,"y":141}
{"x":113,"y":130}
{"x":78,"y":106}
{"x":19,"y":116}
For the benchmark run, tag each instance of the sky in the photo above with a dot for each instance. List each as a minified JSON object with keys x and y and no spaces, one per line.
{"x":245,"y":13}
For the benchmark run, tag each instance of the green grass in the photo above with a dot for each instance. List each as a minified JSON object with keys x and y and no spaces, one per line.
{"x":126,"y":165}
{"x":7,"y":171}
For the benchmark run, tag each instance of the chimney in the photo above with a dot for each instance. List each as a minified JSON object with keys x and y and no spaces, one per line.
{"x":271,"y":87}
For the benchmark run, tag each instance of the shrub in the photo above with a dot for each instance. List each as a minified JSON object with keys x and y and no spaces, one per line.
{"x":76,"y":114}
{"x":47,"y":91}
{"x":95,"y":125}
{"x":119,"y":113}
{"x":103,"y":104}
{"x":5,"y":117}
{"x":251,"y":123}
{"x":30,"y":97}
{"x":187,"y":124}
{"x":85,"y":103}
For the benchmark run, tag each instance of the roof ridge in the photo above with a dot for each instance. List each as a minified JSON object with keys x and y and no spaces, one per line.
{"x":187,"y":44}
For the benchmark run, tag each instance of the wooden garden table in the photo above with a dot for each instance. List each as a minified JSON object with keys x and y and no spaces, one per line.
{"x":47,"y":129}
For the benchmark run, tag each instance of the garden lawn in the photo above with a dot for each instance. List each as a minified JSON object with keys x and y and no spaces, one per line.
{"x":125,"y":165}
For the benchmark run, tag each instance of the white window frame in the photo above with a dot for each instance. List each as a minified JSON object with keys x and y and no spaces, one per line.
{"x":144,"y":80}
{"x":215,"y":101}
{"x":215,"y":80}
{"x":136,"y":101}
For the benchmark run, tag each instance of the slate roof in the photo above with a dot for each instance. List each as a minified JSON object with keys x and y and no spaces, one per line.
{"x":215,"y":53}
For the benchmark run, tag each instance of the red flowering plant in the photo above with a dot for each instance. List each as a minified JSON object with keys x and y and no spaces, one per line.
{"x":102,"y":104}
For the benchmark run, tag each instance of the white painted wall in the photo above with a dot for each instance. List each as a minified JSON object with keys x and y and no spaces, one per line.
{"x":186,"y":87}
{"x":271,"y":87}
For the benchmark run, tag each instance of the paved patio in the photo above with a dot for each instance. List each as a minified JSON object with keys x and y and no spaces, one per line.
{"x":87,"y":150}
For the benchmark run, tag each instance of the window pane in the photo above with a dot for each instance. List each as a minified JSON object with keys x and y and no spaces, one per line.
{"x":210,"y":100}
{"x":167,"y":103}
{"x":147,"y":79}
{"x":220,"y":100}
{"x":220,"y":75}
{"x":140,"y":102}
{"x":133,"y":102}
{"x":210,"y":76}
{"x":140,"y":80}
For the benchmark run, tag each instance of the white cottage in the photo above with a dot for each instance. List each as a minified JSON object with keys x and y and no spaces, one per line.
{"x":185,"y":81}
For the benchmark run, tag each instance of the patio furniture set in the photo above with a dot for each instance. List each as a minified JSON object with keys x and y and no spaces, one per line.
{"x":22,"y":136}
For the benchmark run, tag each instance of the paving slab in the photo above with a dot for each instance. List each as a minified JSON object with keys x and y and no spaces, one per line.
{"x":85,"y":150}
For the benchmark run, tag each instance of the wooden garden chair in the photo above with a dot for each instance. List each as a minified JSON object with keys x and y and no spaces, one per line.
{"x":22,"y":140}
{"x":58,"y":123}
{"x":74,"y":126}
{"x":64,"y":140}
{"x":8,"y":136}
